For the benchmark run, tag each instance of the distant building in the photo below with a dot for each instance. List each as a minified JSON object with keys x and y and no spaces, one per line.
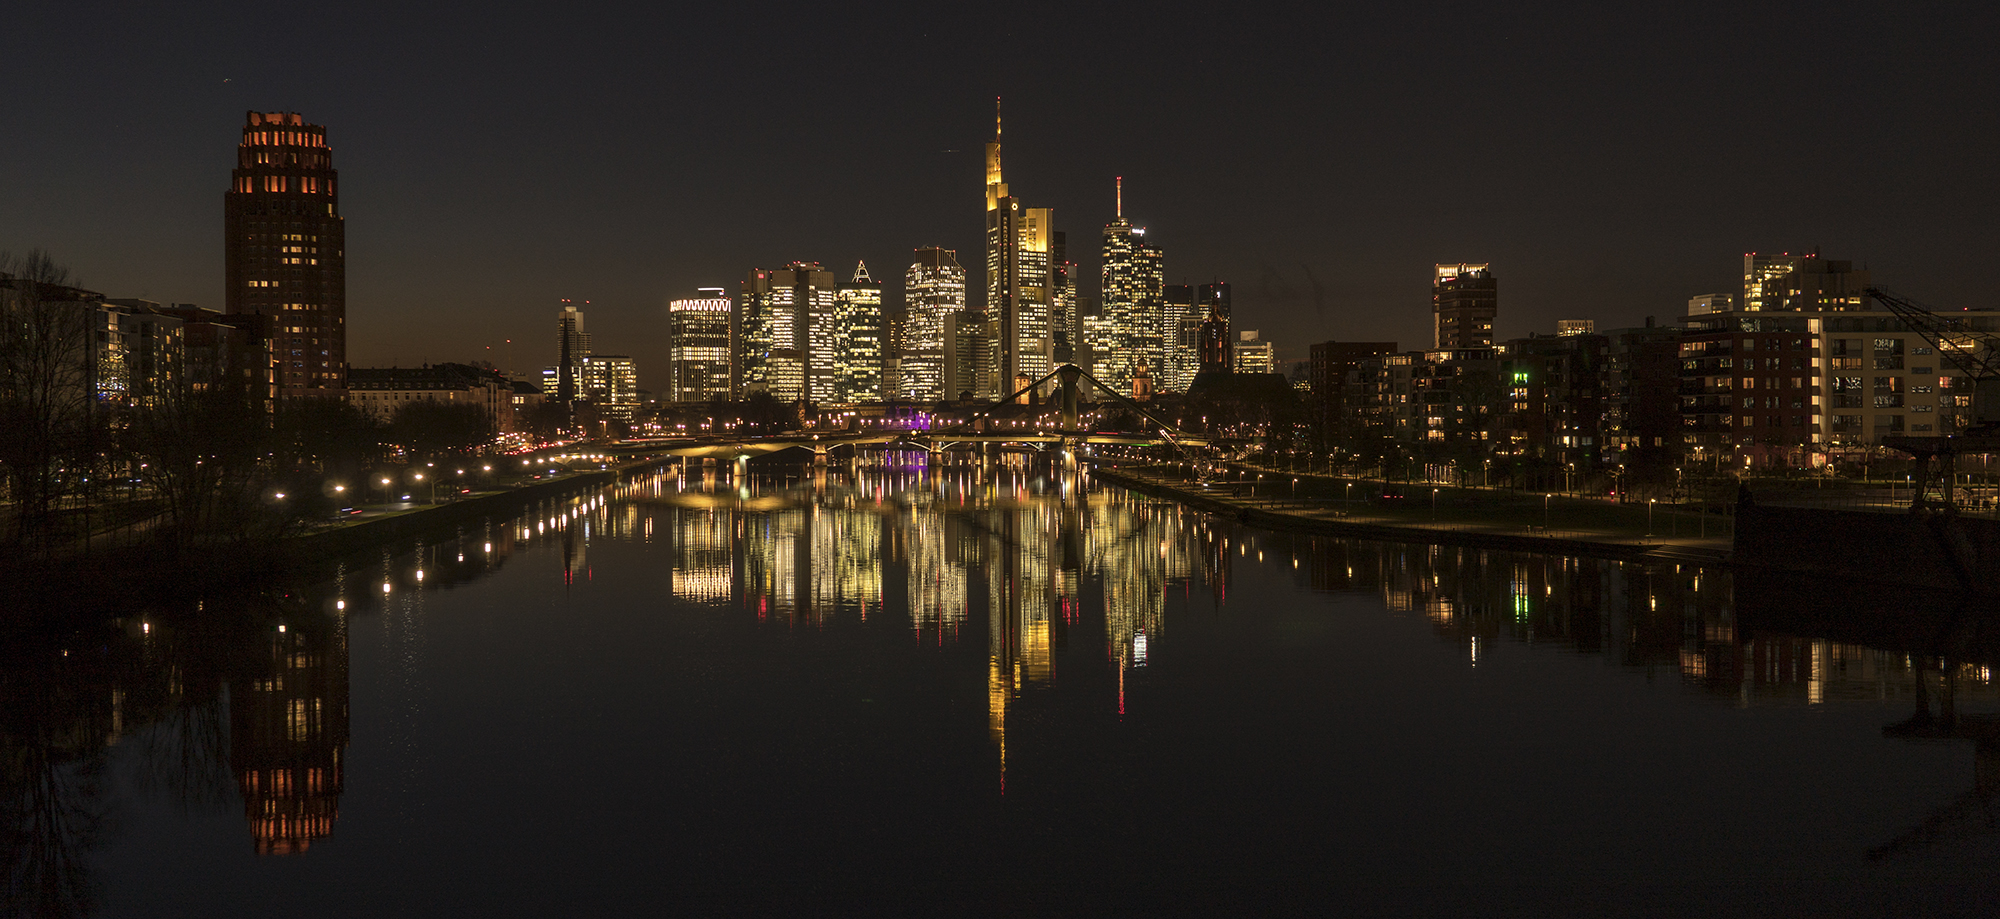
{"x":1710,"y":303}
{"x":699,"y":348}
{"x":1801,"y":283}
{"x":971,"y":356}
{"x":381,"y":392}
{"x":1019,"y":283}
{"x":1182,"y":349}
{"x":858,"y":319}
{"x":1215,"y":339}
{"x":284,"y":251}
{"x":1464,"y":299}
{"x":572,"y":352}
{"x":933,"y":289}
{"x":611,"y":384}
{"x":1575,"y":326}
{"x":1253,"y":354}
{"x":1328,"y":370}
{"x":787,"y":338}
{"x":1134,"y":281}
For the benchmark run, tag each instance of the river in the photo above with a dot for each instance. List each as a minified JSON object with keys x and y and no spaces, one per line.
{"x":989,"y":690}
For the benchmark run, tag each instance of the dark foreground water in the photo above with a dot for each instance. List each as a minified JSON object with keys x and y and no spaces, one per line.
{"x":994,"y":691}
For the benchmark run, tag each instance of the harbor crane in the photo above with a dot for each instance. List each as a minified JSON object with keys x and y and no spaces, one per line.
{"x":1973,"y":352}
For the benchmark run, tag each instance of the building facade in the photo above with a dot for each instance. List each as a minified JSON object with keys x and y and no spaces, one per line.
{"x":1133,"y":299}
{"x":858,"y":320}
{"x":1464,"y":300}
{"x":933,"y":291}
{"x":699,"y":348}
{"x":284,"y":251}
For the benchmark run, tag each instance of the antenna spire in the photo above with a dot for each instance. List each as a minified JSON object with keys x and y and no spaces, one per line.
{"x":996,"y":118}
{"x":1121,"y":196}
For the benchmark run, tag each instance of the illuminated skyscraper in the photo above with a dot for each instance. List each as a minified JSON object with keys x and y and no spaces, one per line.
{"x":858,"y":323}
{"x":1019,"y":249}
{"x":933,"y":289}
{"x":611,"y":383}
{"x":1182,"y":352}
{"x":1804,"y":282}
{"x":699,"y":348}
{"x":1134,"y":279}
{"x":1463,"y":302}
{"x":1065,"y":323}
{"x":284,"y":251}
{"x":789,"y":339}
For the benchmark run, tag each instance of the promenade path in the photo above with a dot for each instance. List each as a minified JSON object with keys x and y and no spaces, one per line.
{"x":1441,"y":513}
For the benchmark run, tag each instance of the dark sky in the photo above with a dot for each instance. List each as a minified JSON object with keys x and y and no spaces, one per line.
{"x":1609,"y":160}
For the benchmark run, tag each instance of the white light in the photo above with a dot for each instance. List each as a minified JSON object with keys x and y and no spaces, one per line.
{"x":385,"y":587}
{"x":281,"y":628}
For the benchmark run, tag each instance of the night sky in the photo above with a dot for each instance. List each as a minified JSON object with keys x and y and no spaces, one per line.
{"x":1609,"y":160}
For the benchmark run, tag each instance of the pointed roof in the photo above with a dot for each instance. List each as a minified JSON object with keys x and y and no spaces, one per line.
{"x":861,"y":273}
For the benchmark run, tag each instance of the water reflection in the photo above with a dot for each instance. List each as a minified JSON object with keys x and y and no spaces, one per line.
{"x":244,"y":701}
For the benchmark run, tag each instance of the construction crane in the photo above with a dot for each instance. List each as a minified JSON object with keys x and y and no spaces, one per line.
{"x":1974,"y":353}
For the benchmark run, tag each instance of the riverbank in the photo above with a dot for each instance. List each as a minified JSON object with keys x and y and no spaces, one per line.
{"x":1469,"y":517}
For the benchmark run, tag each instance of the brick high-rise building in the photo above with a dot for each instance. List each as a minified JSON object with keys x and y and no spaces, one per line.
{"x":1463,"y":301}
{"x":284,"y":251}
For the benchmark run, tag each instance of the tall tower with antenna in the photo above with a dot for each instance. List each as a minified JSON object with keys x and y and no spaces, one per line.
{"x":1019,"y":281}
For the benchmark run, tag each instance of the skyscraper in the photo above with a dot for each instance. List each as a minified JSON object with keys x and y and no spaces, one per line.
{"x":1464,"y":299}
{"x":933,"y":289}
{"x":1134,"y":278}
{"x":1019,"y":244}
{"x":699,"y":348}
{"x":789,"y":340}
{"x":572,"y":350}
{"x":1216,"y":353}
{"x":858,"y":319}
{"x":284,"y":251}
{"x":1181,"y":353}
{"x":1065,"y":324}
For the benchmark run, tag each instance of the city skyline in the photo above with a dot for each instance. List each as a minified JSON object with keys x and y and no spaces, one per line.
{"x":1324,"y":204}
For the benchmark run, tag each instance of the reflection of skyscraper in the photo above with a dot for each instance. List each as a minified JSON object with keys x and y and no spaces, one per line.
{"x":702,"y":554}
{"x":288,"y":729}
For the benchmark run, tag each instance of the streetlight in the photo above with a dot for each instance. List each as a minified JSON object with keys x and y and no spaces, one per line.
{"x":1649,"y":516}
{"x":1434,"y":505}
{"x":1545,"y":511}
{"x":385,"y":489}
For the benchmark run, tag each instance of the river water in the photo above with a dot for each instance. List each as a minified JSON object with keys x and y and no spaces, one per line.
{"x":989,"y":690}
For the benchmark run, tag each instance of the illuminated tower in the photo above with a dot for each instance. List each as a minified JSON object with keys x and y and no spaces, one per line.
{"x":1215,"y":324}
{"x":284,"y":251}
{"x":1463,"y":302}
{"x":791,"y":344}
{"x":933,"y":289}
{"x":1134,"y":281}
{"x":699,"y":347}
{"x":1019,"y":284}
{"x":858,"y":318}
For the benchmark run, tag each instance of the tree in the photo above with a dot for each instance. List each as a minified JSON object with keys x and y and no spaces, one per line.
{"x":428,"y":429}
{"x":46,"y":390}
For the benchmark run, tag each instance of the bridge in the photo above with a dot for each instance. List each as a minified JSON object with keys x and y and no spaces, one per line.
{"x":1062,"y":434}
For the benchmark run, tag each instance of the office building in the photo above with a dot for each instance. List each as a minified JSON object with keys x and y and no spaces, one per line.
{"x":611,"y":384}
{"x":699,"y":348}
{"x":788,"y":340}
{"x":572,"y":351}
{"x":1463,"y":303}
{"x":1801,"y":283}
{"x":933,"y":291}
{"x":858,"y":322}
{"x":1253,"y":354}
{"x":1020,"y":245}
{"x":284,"y":251}
{"x":1133,"y":300}
{"x":1213,"y":302}
{"x":1181,"y":353}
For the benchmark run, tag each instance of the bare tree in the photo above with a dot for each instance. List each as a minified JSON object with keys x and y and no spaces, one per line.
{"x":46,"y":392}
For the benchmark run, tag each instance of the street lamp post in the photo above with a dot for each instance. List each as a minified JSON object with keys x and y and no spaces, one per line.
{"x":385,"y":491}
{"x":1649,"y":516}
{"x":1545,"y":511}
{"x":1434,"y":505}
